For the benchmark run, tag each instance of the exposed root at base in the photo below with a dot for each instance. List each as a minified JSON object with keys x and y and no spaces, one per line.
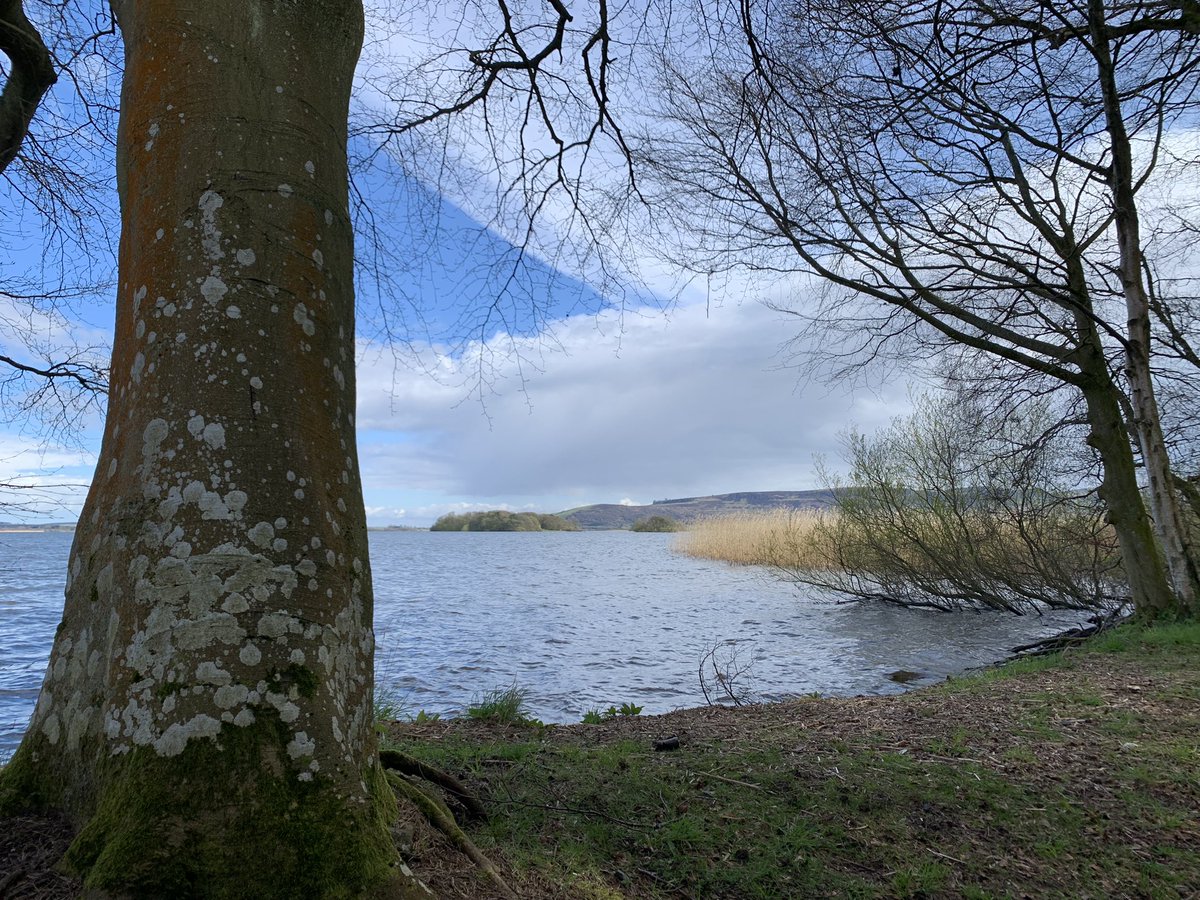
{"x":438,"y":815}
{"x":408,"y":765}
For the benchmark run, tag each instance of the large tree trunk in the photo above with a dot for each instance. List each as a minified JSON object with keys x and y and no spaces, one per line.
{"x":206,"y":716}
{"x":1169,"y":520}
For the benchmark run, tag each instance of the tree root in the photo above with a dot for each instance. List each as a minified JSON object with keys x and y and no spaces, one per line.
{"x":439,"y":816}
{"x":1072,"y":637}
{"x":408,"y":765}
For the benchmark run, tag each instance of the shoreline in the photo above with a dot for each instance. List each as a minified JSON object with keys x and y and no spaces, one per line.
{"x":1072,"y":774}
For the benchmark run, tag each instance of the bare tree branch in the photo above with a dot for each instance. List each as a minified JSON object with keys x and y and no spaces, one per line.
{"x":32,"y":74}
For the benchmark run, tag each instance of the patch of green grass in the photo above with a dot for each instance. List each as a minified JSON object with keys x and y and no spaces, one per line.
{"x":502,"y":706}
{"x":388,"y":705}
{"x":1015,"y":669}
{"x":597,"y":716}
{"x":1020,"y":755}
{"x":1135,"y":638}
{"x":920,"y":880}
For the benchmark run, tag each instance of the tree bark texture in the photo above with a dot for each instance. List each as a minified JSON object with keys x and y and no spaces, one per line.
{"x":207,"y":713}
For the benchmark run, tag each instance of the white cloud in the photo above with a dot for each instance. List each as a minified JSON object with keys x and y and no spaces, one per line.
{"x":692,"y":403}
{"x":40,"y":483}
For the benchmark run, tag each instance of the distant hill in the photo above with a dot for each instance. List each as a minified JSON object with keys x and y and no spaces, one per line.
{"x":688,"y":509}
{"x":20,"y":527}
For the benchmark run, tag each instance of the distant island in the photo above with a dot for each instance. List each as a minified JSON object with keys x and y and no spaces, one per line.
{"x":502,"y":520}
{"x":688,"y":509}
{"x":660,"y":524}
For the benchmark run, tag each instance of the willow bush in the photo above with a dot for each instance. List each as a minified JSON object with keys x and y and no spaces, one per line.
{"x":948,"y":509}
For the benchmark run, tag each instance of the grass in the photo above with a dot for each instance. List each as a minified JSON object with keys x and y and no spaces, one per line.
{"x":502,"y":706}
{"x":388,"y":705}
{"x":1072,"y":775}
{"x":759,"y":538}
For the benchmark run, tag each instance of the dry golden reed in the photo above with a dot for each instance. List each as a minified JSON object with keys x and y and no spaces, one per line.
{"x":766,"y":538}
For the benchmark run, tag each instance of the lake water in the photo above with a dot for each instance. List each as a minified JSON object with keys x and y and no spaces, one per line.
{"x":580,"y":620}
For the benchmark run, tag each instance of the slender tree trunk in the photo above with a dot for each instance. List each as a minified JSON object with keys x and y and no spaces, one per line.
{"x":1168,"y":515}
{"x":1141,"y":555}
{"x":206,"y":716}
{"x":1126,"y":512}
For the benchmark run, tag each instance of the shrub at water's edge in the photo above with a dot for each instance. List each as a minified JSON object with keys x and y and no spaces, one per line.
{"x":950,"y":507}
{"x":661,"y":524}
{"x":503,"y":520}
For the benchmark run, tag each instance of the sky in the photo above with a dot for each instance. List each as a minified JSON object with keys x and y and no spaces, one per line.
{"x":628,"y":408}
{"x":632,"y":400}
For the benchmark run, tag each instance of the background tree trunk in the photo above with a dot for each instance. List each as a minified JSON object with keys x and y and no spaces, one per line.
{"x":1169,"y":520}
{"x":206,"y":716}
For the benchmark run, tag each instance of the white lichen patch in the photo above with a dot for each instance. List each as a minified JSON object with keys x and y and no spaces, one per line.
{"x":250,"y":655}
{"x":210,"y":237}
{"x":261,"y":534}
{"x":278,"y":624}
{"x":246,"y":257}
{"x":230,"y":695}
{"x":288,"y":711}
{"x":208,"y":672}
{"x":285,"y":190}
{"x":214,"y":435}
{"x":233,"y":312}
{"x":176,"y":737}
{"x":51,"y":728}
{"x":153,"y":435}
{"x":301,"y":745}
{"x":301,"y":316}
{"x":235,"y":603}
{"x":213,"y":289}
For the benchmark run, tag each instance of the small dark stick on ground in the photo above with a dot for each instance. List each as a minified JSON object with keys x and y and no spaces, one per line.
{"x":667,"y":743}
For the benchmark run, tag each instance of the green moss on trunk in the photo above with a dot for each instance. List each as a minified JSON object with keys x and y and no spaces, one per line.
{"x":20,"y":789}
{"x":228,"y":818}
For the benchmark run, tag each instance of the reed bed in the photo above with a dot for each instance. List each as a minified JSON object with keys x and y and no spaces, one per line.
{"x":777,"y":537}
